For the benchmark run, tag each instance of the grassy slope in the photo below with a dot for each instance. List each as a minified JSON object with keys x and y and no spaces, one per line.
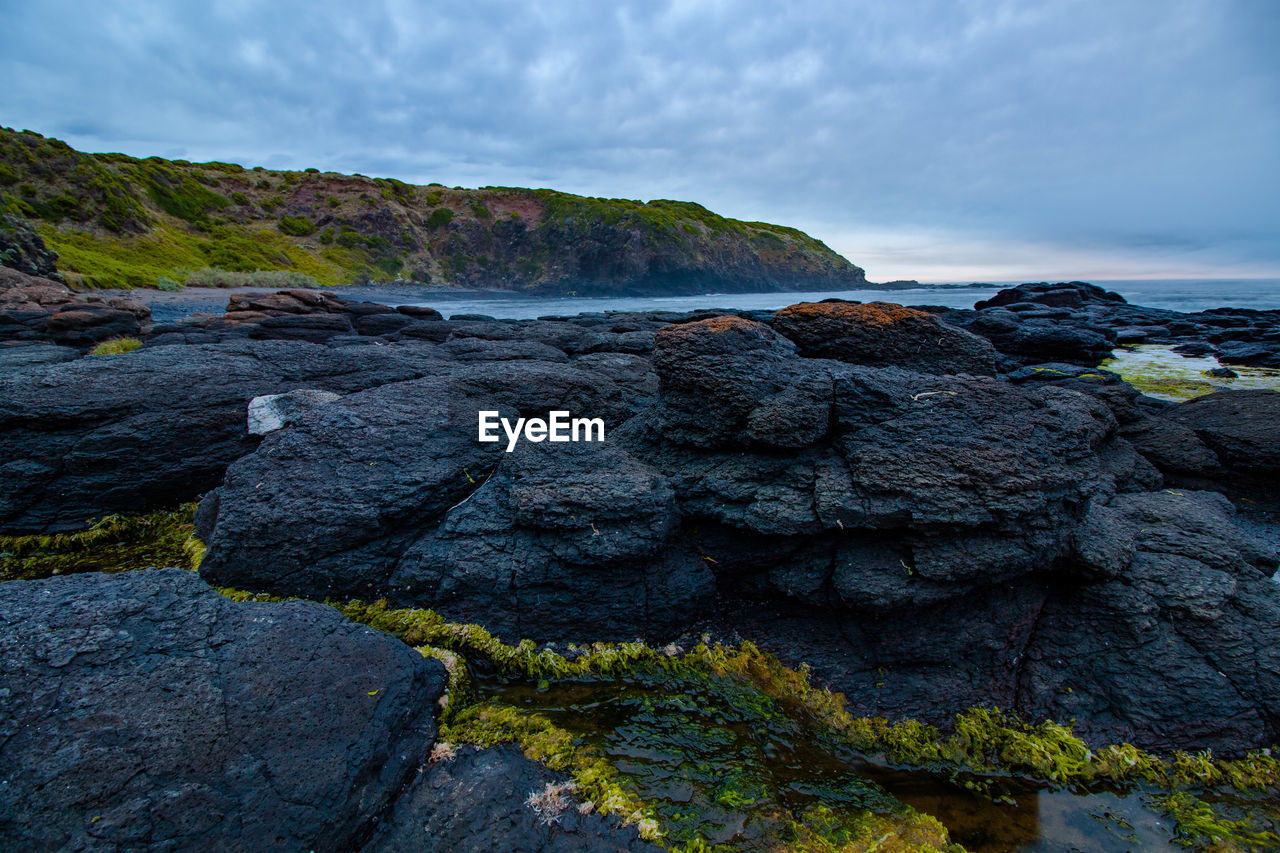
{"x":118,"y":221}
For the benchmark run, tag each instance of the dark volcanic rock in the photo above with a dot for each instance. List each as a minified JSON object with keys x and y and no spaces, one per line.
{"x":560,"y":542}
{"x":402,"y":500}
{"x":314,"y":328}
{"x":143,"y":711}
{"x":1071,"y":294}
{"x":1079,"y":323}
{"x":1242,"y":428}
{"x":887,"y":526}
{"x":1173,"y":448}
{"x":1252,"y":353}
{"x":1179,"y":641}
{"x":479,"y":802}
{"x":727,"y":381}
{"x":884,"y":334}
{"x":902,"y":531}
{"x":1033,"y":340}
{"x":14,"y":355}
{"x":294,"y":302}
{"x":157,"y":426}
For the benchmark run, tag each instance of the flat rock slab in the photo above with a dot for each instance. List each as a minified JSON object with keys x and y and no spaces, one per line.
{"x":143,"y":711}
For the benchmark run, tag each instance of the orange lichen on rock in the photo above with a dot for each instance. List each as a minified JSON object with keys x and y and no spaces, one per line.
{"x":867,"y":314}
{"x":885,"y":334}
{"x":723,"y":323}
{"x":723,"y":335}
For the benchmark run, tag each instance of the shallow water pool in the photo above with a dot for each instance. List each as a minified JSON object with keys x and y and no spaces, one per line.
{"x":1157,"y":371}
{"x":715,"y":774}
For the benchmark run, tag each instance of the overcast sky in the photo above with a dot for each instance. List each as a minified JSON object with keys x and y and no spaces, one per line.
{"x":943,"y":141}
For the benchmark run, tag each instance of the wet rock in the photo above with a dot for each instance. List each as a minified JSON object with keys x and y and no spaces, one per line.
{"x":1071,"y":294}
{"x":286,"y":302}
{"x":315,"y":328}
{"x":1043,"y":340}
{"x":480,"y":801}
{"x":85,"y":324}
{"x":1251,"y":353}
{"x":901,"y":530}
{"x":383,"y":324}
{"x":1079,"y":323}
{"x":1125,"y":402}
{"x":145,"y":712}
{"x":419,"y":312}
{"x":884,"y":334}
{"x":1196,"y":348}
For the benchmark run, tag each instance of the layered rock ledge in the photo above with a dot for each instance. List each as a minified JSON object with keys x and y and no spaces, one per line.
{"x":930,"y":534}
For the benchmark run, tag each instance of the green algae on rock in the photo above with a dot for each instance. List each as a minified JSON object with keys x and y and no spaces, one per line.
{"x":116,"y":543}
{"x":985,"y":746}
{"x":696,"y":704}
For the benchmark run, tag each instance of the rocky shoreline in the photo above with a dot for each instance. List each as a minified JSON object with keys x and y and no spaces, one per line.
{"x":931,"y":510}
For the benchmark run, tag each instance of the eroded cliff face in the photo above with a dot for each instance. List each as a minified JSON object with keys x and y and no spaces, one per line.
{"x":122,"y":222}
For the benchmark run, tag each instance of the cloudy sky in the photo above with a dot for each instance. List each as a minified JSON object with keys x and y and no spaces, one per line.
{"x":942,"y":140}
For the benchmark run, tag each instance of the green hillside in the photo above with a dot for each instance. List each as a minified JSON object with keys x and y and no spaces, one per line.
{"x":120,"y":222}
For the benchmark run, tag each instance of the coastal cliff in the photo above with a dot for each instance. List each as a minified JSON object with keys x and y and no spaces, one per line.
{"x":120,"y":222}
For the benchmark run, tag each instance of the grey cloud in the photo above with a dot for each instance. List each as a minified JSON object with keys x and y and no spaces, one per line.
{"x":1138,"y":124}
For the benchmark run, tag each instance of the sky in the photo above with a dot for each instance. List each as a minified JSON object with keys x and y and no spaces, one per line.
{"x":940,"y":140}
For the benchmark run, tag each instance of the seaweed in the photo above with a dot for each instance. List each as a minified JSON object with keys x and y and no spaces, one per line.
{"x":115,"y":543}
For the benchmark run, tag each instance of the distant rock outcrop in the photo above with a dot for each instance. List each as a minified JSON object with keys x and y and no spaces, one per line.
{"x":1081,"y":324}
{"x":22,"y":249}
{"x":40,"y":310}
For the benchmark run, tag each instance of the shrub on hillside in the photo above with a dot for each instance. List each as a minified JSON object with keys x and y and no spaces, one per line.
{"x":297,"y":226}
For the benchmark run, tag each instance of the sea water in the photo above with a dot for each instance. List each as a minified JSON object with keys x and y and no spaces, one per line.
{"x":1174,"y":294}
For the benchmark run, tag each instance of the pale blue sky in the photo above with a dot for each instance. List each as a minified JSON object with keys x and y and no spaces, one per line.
{"x":935,"y":140}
